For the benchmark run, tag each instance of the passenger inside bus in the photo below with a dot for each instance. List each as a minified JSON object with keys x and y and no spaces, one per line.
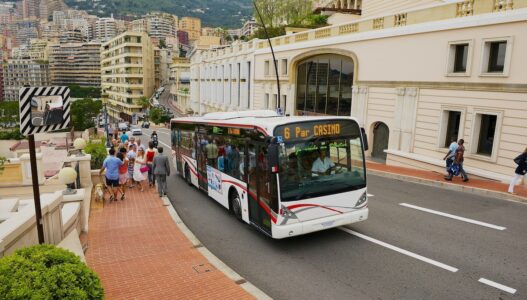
{"x":323,"y":165}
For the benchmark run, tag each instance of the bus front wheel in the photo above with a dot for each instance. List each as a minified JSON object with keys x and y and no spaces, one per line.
{"x":235,"y":204}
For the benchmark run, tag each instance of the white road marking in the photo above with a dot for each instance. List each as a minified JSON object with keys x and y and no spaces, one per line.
{"x":371,"y":195}
{"x":497,"y":285}
{"x":453,"y":216}
{"x":402,"y":251}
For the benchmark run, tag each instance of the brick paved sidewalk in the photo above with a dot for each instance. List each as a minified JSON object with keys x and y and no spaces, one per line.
{"x":140,"y":253}
{"x":438,"y":177}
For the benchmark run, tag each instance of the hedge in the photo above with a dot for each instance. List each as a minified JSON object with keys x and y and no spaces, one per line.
{"x":47,"y":272}
{"x":98,"y":152}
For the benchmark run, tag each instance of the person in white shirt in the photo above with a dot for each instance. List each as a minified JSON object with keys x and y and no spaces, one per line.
{"x":323,"y":165}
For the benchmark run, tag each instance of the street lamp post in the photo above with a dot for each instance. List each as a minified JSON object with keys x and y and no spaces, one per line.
{"x":106,"y":126}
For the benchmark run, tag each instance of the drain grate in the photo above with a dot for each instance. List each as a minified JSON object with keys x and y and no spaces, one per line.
{"x":203,"y":268}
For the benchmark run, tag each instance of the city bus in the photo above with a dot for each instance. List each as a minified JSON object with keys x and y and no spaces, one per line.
{"x":285,"y":175}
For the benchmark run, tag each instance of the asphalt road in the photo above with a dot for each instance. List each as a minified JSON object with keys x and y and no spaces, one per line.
{"x":400,"y":252}
{"x":164,"y":99}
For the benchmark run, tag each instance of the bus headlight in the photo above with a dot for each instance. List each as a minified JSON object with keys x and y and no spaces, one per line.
{"x":362,"y":199}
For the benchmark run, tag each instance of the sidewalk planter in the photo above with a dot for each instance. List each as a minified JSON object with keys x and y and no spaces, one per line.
{"x":47,"y":272}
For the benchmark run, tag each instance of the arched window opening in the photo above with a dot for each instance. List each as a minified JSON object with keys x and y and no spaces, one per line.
{"x":324,"y":85}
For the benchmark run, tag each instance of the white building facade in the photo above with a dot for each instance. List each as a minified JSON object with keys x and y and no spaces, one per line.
{"x":414,"y":80}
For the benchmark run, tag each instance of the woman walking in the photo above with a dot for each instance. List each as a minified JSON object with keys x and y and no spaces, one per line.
{"x":140,"y":168}
{"x":520,"y":171}
{"x":150,"y":153}
{"x":123,"y":172}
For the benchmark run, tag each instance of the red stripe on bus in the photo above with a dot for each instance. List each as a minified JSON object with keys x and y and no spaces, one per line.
{"x":267,"y":209}
{"x":313,"y":205}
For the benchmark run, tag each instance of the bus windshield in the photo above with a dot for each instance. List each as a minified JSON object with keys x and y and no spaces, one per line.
{"x":321,"y":166}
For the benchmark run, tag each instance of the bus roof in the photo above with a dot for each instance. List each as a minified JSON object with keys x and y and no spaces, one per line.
{"x":265,"y":120}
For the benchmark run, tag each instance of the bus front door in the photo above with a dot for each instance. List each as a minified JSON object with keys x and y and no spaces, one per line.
{"x":260,"y":187}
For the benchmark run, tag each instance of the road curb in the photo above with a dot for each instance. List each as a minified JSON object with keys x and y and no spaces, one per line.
{"x":215,"y":261}
{"x":450,"y":186}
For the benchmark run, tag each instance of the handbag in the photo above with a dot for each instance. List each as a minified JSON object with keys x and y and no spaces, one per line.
{"x":144,"y":169}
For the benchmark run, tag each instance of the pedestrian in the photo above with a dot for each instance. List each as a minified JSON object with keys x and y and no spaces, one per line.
{"x":130,"y":174}
{"x":140,"y":169}
{"x":233,"y":160}
{"x":111,"y":164}
{"x":115,"y":131}
{"x":124,"y":137}
{"x":458,"y":162}
{"x":132,"y":151}
{"x":212,"y":153}
{"x":161,"y":171}
{"x":150,"y":154}
{"x":140,"y":146}
{"x":123,"y":170}
{"x":520,"y":171}
{"x":451,"y":154}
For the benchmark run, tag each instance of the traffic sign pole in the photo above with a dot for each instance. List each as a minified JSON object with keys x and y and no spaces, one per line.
{"x":36,"y":188}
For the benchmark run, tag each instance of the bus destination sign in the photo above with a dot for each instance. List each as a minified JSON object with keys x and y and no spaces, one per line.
{"x":308,"y":130}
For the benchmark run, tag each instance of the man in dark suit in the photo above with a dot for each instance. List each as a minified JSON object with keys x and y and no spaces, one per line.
{"x":161,"y":167}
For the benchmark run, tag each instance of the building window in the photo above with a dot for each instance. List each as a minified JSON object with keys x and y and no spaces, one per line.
{"x":459,"y":55}
{"x":266,"y":101}
{"x":460,"y":58}
{"x":283,"y":67}
{"x":487,"y":131}
{"x":452,"y":127}
{"x":324,"y":85}
{"x":496,"y":57}
{"x":266,"y":68}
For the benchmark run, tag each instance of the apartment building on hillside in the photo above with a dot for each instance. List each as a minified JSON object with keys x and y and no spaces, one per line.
{"x":192,"y":26}
{"x":23,"y":72}
{"x":75,"y":64}
{"x":127,"y":68}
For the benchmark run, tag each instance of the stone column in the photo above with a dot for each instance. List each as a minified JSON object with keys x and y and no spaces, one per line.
{"x":359,"y":104}
{"x":395,"y":132}
{"x":26,"y":169}
{"x":84,"y":168}
{"x":408,"y":121}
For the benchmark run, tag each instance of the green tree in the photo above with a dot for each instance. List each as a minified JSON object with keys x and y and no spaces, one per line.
{"x":155,"y":115}
{"x":162,"y":44}
{"x":276,"y":13}
{"x":83,"y":112}
{"x":77,"y":91}
{"x":144,"y":102}
{"x":9,"y":119}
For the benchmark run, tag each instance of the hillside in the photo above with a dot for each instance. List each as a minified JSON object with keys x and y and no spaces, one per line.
{"x":224,"y":13}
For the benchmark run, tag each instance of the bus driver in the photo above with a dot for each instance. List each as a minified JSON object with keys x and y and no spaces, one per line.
{"x":323,"y":165}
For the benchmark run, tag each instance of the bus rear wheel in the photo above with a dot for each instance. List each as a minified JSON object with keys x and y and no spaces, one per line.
{"x":235,"y":204}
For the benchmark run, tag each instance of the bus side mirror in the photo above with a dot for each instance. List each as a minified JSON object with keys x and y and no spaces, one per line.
{"x":273,"y":157}
{"x":364,"y":139}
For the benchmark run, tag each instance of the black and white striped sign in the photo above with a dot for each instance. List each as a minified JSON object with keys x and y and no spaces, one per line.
{"x":27,"y":95}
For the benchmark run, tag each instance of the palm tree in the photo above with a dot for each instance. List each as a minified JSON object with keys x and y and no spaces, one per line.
{"x":144,"y":102}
